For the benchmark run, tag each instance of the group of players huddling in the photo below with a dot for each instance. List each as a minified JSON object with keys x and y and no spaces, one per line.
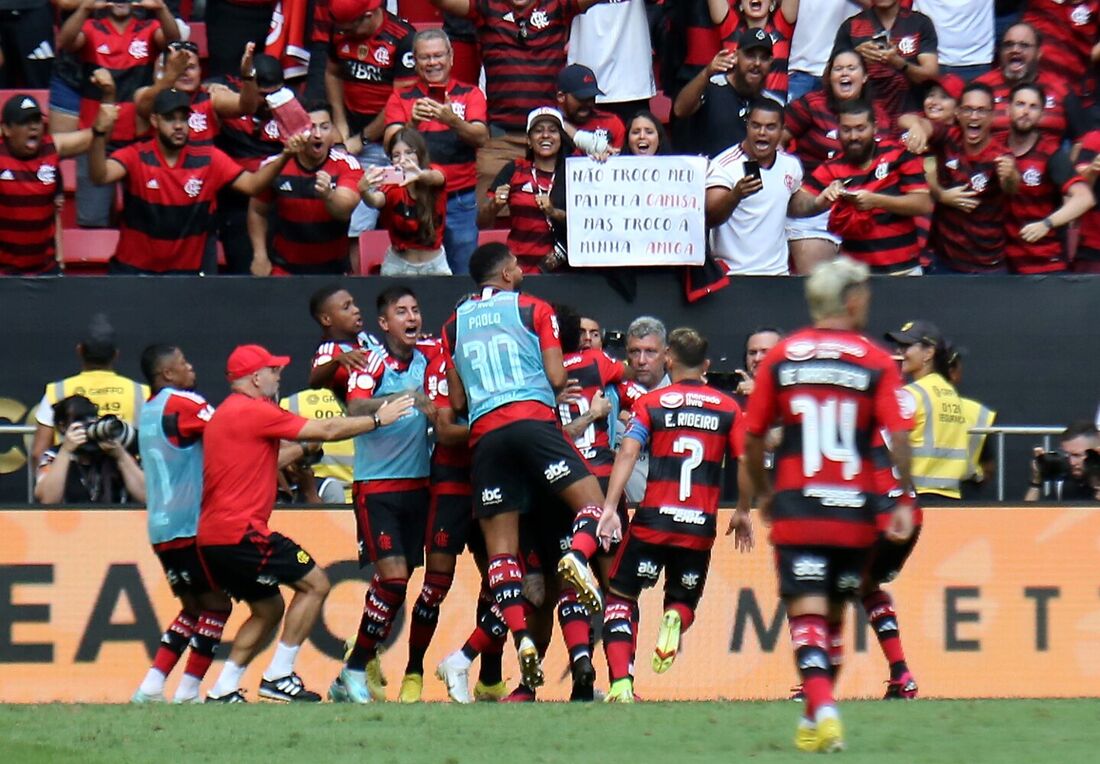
{"x":505,"y":419}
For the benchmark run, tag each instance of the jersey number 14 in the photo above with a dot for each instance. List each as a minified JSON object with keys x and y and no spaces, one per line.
{"x":828,"y":432}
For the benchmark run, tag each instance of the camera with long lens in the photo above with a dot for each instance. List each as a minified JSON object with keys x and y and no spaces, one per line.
{"x":724,"y":380}
{"x":1054,"y":465}
{"x":614,"y":339}
{"x":110,"y":429}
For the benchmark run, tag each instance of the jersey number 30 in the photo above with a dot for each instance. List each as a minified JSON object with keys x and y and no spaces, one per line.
{"x":496,"y":362}
{"x":828,"y":432}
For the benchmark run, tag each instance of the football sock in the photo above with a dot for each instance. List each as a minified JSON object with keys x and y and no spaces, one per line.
{"x":686,"y":612}
{"x":489,"y":633}
{"x":584,"y":541}
{"x":506,"y":583}
{"x":383,"y":601}
{"x":228,"y":681}
{"x":425,"y":616}
{"x":834,"y":630}
{"x":575,"y":625}
{"x":172,"y":644}
{"x":492,"y":659}
{"x":620,"y":622}
{"x":204,"y":643}
{"x":282,"y":662}
{"x":884,"y":622}
{"x":809,"y":637}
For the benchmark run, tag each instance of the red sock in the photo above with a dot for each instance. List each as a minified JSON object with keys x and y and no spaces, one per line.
{"x":575,"y":624}
{"x":506,"y":583}
{"x":174,"y":642}
{"x":836,"y":648}
{"x":620,"y":621}
{"x":205,"y":641}
{"x":383,"y":601}
{"x":687,"y":614}
{"x":425,"y":616}
{"x":884,"y":621}
{"x":809,"y":637}
{"x":584,"y":541}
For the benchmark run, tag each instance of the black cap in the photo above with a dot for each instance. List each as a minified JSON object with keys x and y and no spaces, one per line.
{"x":269,"y":72}
{"x":168,"y":101}
{"x":754,"y":38}
{"x":579,"y":81}
{"x":914,"y":332}
{"x":20,"y":109}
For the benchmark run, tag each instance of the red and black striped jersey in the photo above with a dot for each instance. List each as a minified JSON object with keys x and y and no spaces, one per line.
{"x":400,"y":219}
{"x":185,"y":417}
{"x":606,"y":125}
{"x":1088,"y":247}
{"x":831,"y":391}
{"x":815,"y":131}
{"x":701,"y":39}
{"x":203,"y":122}
{"x":891,"y":245}
{"x":969,"y":241}
{"x":303,"y":231}
{"x":522,"y":52}
{"x":1070,"y":29}
{"x":457,"y":157}
{"x":169,"y":210}
{"x":594,"y":371}
{"x":329,"y":350}
{"x":450,"y":464}
{"x":531,"y":237}
{"x":28,"y":187}
{"x":249,"y":139}
{"x":691,"y":430}
{"x":369,"y":65}
{"x":320,"y":26}
{"x":1053,"y":122}
{"x":778,"y":28}
{"x":1045,"y":176}
{"x":913,"y":34}
{"x":128,"y":55}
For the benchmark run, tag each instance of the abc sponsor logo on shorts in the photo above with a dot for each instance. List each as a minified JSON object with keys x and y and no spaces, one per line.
{"x":491,"y":496}
{"x":848,"y":582}
{"x":648,"y":569}
{"x":556,"y":471}
{"x":689,"y":580}
{"x":267,"y":580}
{"x":809,"y":568}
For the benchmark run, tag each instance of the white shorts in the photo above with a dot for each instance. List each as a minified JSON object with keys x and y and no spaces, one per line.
{"x":395,"y":265}
{"x":816,"y":227}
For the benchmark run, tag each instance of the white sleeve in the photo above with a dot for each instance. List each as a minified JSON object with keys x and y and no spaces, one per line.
{"x":723,"y":175}
{"x":44,"y":414}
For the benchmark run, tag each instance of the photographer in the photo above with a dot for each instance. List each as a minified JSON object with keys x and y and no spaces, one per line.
{"x":1074,"y":471}
{"x":91,"y":465}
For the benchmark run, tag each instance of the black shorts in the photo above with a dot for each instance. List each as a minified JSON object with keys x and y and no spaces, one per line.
{"x":450,"y":521}
{"x":183,"y":569}
{"x":829,"y":571}
{"x":252,"y":569}
{"x":391,"y":524}
{"x":545,"y":534}
{"x":887,"y":559}
{"x":509,"y":460}
{"x":638,"y":565}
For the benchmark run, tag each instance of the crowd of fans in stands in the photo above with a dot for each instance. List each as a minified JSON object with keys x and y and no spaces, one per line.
{"x":918,"y":136}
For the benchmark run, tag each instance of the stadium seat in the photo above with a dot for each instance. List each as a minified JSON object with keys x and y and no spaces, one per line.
{"x":416,"y":11}
{"x":87,"y":250}
{"x":198,"y":36}
{"x":491,"y":235}
{"x":372,"y":250}
{"x":661,"y":106}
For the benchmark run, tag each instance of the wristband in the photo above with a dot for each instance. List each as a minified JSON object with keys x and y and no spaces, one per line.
{"x":1049,"y":222}
{"x":99,"y":133}
{"x":377,"y":421}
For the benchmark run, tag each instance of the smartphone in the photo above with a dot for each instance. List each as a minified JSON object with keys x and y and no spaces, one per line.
{"x":881,"y":39}
{"x":752,"y":169}
{"x":392,"y":176}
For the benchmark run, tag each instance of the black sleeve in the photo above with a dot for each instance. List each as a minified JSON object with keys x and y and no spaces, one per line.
{"x":1060,"y":170}
{"x":929,"y":40}
{"x":503,"y":178}
{"x":1079,"y":120}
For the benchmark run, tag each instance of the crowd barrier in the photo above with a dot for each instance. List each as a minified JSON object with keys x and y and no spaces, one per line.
{"x":995,"y":602}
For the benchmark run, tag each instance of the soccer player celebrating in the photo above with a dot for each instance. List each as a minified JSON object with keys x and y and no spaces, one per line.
{"x":170,"y":439}
{"x":831,"y":389}
{"x":690,"y":429}
{"x":343,"y":342}
{"x":508,"y":364}
{"x":243,"y":555}
{"x":391,"y":494}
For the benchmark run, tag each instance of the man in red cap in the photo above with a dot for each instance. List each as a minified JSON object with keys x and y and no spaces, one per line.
{"x":242,"y":555}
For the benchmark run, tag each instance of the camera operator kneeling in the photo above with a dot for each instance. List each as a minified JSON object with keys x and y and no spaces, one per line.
{"x":1073,"y":472}
{"x":91,"y":465}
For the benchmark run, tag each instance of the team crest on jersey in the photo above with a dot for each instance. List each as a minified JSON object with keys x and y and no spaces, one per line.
{"x":271,"y":130}
{"x":1032,"y":177}
{"x":362,"y":52}
{"x":882,"y":171}
{"x":671,"y":400}
{"x":539,"y":20}
{"x":459,"y":109}
{"x":382,"y":56}
{"x":979,"y":181}
{"x":907,"y":45}
{"x":788,"y":181}
{"x":47,"y":173}
{"x":193,"y":187}
{"x":1080,"y":15}
{"x":139,"y":49}
{"x":197,"y":121}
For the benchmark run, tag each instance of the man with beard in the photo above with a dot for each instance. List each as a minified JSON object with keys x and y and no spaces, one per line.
{"x":171,"y":188}
{"x":1020,"y":61}
{"x":876,"y":189}
{"x":29,"y":159}
{"x":577,"y":91}
{"x":312,"y":198}
{"x":1051,"y":194}
{"x":719,"y":97}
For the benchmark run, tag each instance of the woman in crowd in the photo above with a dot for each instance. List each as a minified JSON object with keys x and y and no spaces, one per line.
{"x":533,"y":190}
{"x":775,"y":17}
{"x":413,"y":207}
{"x":646,"y":136}
{"x":811,"y":132}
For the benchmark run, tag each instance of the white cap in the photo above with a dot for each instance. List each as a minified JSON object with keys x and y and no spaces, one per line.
{"x":545,"y":111}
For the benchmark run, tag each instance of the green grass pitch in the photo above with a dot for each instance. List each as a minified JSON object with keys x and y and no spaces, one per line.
{"x":673,"y":733}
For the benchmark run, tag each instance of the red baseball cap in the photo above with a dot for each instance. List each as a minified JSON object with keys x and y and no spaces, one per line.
{"x":951,"y":84}
{"x":346,"y":11}
{"x":249,"y":359}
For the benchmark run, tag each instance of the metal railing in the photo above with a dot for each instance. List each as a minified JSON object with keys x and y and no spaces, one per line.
{"x":1000,"y":431}
{"x":23,"y":429}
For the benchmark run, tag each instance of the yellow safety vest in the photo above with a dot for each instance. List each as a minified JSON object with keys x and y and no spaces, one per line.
{"x":339,"y":459}
{"x":977,"y":415}
{"x":111,"y":392}
{"x":939,"y":438}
